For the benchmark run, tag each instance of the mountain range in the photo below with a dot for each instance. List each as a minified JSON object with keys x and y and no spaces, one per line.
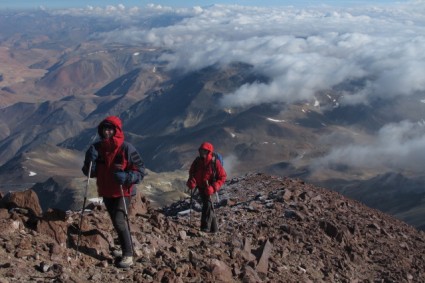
{"x":58,"y":80}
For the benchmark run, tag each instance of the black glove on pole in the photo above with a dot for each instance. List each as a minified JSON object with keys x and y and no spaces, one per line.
{"x":82,"y":209}
{"x":126,"y":217}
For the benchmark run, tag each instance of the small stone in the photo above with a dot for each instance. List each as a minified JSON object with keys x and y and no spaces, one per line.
{"x":44,"y":267}
{"x":175,"y":249}
{"x":103,"y":263}
{"x":182,"y":235}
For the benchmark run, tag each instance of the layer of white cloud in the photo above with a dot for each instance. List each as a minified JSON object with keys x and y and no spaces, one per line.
{"x":302,"y":50}
{"x":377,"y":47}
{"x":399,"y":147}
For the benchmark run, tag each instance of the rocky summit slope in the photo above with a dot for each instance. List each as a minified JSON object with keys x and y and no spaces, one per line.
{"x":272,"y":229}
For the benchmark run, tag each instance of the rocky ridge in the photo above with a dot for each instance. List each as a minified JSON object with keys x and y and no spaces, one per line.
{"x":272,"y":229}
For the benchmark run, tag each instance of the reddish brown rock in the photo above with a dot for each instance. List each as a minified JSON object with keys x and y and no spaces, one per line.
{"x":138,"y":205}
{"x":26,"y":199}
{"x":220,"y":271}
{"x":4,"y":213}
{"x":249,"y":275}
{"x":56,"y":230}
{"x":10,"y":227}
{"x":277,"y":230}
{"x":94,"y":243}
{"x":263,"y":260}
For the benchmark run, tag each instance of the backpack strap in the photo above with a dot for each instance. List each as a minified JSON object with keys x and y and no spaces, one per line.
{"x":214,"y":167}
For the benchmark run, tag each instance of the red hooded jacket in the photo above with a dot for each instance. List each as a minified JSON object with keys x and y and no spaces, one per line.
{"x":114,"y":154}
{"x":202,"y":171}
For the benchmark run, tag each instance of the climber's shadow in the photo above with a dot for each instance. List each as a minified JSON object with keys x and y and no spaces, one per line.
{"x":83,"y":247}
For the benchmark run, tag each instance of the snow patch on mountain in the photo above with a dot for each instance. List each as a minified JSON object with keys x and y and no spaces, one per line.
{"x":275,"y":120}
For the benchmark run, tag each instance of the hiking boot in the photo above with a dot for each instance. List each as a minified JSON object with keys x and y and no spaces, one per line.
{"x":125,"y":262}
{"x":116,"y":253}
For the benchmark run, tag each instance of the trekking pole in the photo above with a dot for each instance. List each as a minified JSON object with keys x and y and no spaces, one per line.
{"x":212,"y":205}
{"x":82,"y":209}
{"x":217,"y":199}
{"x":126,"y":217}
{"x":190,"y":207}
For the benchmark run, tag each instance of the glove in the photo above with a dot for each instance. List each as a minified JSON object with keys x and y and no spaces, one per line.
{"x":85,"y":169}
{"x":123,"y":177}
{"x":210,"y":190}
{"x":133,"y":178}
{"x":92,"y":154}
{"x":191,"y":183}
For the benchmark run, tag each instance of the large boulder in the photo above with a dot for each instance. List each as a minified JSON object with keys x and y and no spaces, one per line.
{"x":138,"y":205}
{"x":27,"y":199}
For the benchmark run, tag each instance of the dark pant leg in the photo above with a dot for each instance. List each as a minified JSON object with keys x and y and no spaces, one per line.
{"x":205,"y":213}
{"x":115,"y":207}
{"x":214,"y":226}
{"x":208,"y":219}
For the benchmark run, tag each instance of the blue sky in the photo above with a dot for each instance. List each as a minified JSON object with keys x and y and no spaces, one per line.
{"x":52,"y":4}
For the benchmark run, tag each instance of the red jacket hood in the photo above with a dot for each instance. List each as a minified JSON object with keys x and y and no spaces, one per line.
{"x":207,"y":146}
{"x":210,"y":148}
{"x":111,"y":120}
{"x":109,"y":147}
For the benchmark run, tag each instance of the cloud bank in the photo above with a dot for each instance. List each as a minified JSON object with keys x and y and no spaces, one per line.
{"x":398,"y":146}
{"x":302,"y":50}
{"x":365,"y":53}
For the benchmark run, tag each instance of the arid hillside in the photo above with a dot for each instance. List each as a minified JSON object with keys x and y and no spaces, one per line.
{"x":272,"y":229}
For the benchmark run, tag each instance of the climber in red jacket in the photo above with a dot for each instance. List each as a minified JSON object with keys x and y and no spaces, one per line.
{"x":208,"y":175}
{"x":117,"y":166}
